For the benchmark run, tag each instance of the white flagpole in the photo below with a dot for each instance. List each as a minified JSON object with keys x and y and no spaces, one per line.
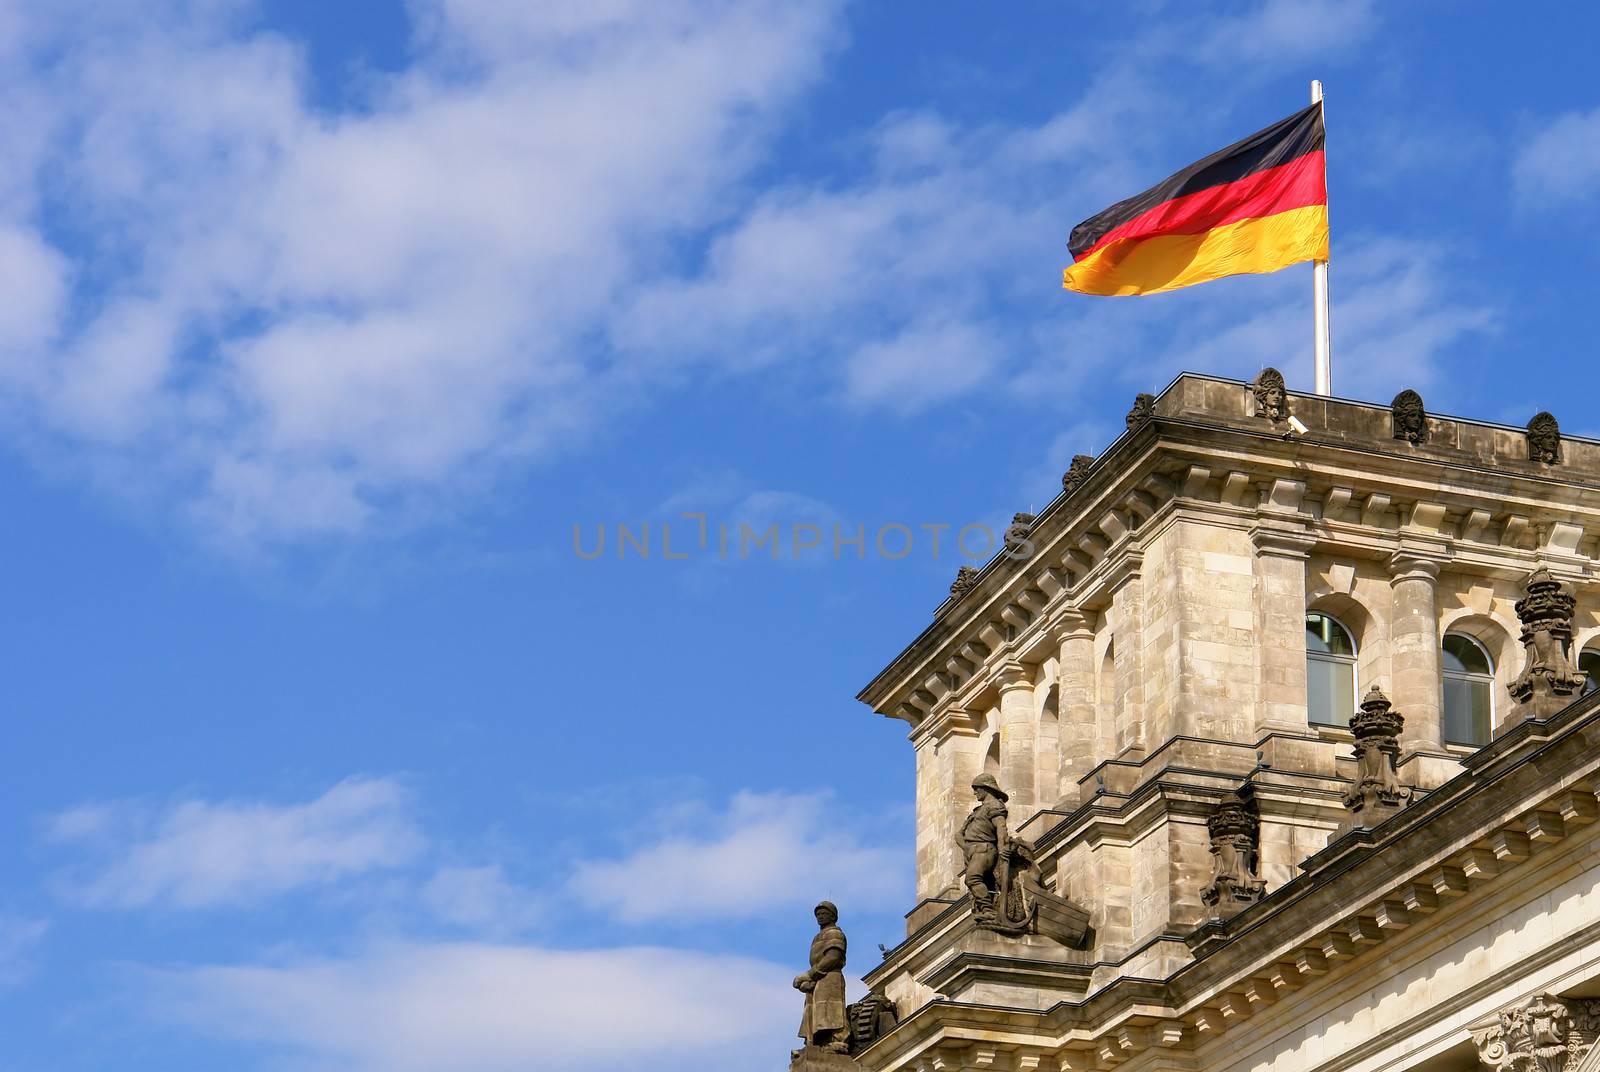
{"x":1319,"y":289}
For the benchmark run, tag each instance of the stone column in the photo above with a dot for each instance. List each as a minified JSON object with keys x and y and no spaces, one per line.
{"x":1080,"y":728}
{"x":1280,"y":616}
{"x":1017,"y":774}
{"x":1414,"y":652}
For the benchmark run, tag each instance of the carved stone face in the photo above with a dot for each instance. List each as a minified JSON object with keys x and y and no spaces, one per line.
{"x":826,"y":917}
{"x":1272,"y":398}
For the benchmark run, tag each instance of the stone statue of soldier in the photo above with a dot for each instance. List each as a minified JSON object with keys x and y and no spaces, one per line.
{"x":823,"y":1023}
{"x":984,"y":842}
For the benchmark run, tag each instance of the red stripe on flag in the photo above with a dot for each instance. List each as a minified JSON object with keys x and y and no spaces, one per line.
{"x":1299,"y":183}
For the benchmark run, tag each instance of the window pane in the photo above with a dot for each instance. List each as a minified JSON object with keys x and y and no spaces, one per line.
{"x":1463,"y":655}
{"x":1330,"y":692}
{"x":1466,"y":710}
{"x":1323,"y":634}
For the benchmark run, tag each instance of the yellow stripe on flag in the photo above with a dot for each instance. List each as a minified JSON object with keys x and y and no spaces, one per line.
{"x":1167,"y":262}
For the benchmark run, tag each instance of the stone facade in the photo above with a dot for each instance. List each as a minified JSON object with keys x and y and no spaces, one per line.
{"x":1145,"y":672}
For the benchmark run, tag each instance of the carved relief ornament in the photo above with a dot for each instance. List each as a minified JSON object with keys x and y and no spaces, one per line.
{"x":1076,"y":472}
{"x":1545,"y":1033}
{"x":1144,"y":407}
{"x":1408,"y":417}
{"x":1544,"y":439}
{"x":1234,"y":829}
{"x":1272,"y":397}
{"x":1377,"y":793}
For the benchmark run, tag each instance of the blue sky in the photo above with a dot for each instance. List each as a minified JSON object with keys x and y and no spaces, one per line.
{"x":326,"y":324}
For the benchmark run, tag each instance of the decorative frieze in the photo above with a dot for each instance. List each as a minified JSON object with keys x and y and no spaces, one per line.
{"x":1378,"y":793}
{"x":1548,"y":681}
{"x":1234,"y":827}
{"x":1545,"y":1033}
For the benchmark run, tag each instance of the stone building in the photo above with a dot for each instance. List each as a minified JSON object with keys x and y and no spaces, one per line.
{"x":1289,"y":696}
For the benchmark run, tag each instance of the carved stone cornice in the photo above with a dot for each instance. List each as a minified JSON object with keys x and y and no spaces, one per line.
{"x":1545,"y":1033}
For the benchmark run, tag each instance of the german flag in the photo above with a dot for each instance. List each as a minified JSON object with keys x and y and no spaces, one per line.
{"x":1259,"y":205}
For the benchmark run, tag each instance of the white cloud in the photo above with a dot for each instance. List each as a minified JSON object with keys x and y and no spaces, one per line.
{"x":770,"y":853}
{"x":484,"y":1008}
{"x":299,"y":318}
{"x":481,"y":898}
{"x":198,"y":854}
{"x":1560,"y":164}
{"x":306,"y":313}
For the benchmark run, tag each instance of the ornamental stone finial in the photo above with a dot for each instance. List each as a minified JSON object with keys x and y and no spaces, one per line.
{"x":1234,"y":828}
{"x":1548,"y":681}
{"x":1144,"y":407}
{"x":1544,"y":439}
{"x":1015,"y":542}
{"x":1076,"y":472}
{"x":1272,"y":397}
{"x":966,"y":577}
{"x":1378,"y":793}
{"x":1409,"y":418}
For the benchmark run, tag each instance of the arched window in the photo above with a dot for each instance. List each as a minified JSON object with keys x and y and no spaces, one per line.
{"x":991,"y":758}
{"x":1468,"y":690}
{"x":1589,"y":663}
{"x":1330,"y":672}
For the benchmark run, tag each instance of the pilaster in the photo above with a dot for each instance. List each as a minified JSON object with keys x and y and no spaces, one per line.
{"x":1414,"y":665}
{"x":1015,"y":679}
{"x":1282,"y":547}
{"x":1080,"y":743}
{"x":948,"y":758}
{"x":1126,"y":620}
